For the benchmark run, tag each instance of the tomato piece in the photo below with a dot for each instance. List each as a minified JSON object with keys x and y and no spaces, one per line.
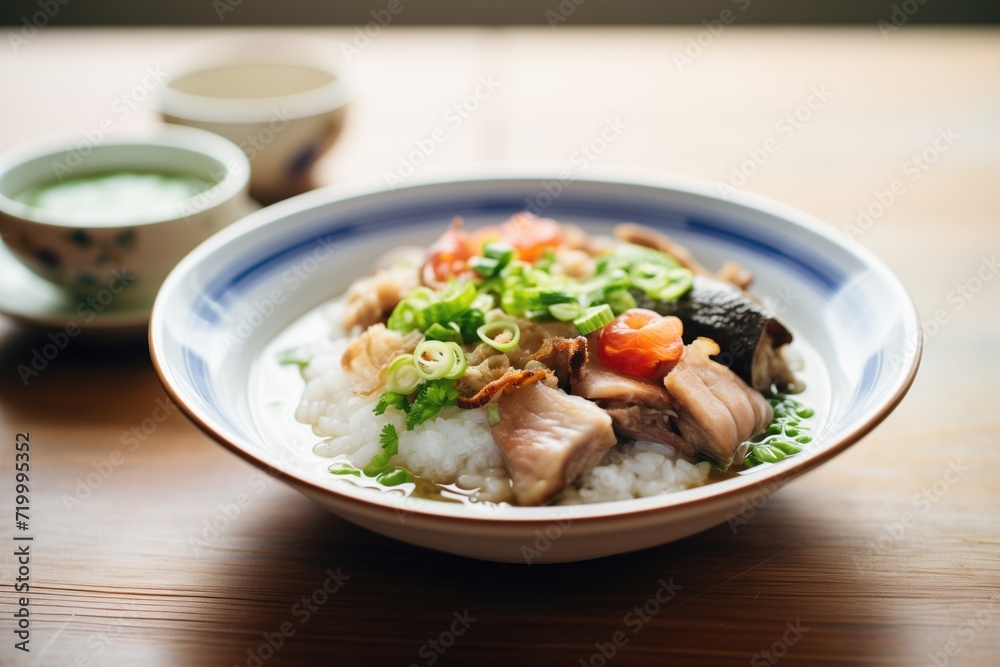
{"x":531,"y":236}
{"x":448,"y":256}
{"x":641,"y":342}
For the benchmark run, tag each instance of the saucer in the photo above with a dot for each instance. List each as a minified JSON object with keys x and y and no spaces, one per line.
{"x":29,"y":298}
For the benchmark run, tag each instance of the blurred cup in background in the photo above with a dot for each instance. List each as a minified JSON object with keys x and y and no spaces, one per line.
{"x":278,"y":98}
{"x":122,"y":212}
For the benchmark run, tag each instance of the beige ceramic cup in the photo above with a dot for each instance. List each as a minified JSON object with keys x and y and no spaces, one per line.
{"x":279,"y":99}
{"x":88,"y":252}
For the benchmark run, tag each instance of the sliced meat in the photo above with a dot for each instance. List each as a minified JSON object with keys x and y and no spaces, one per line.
{"x":640,"y":409}
{"x":368,"y":355}
{"x":371,"y":300}
{"x":716,"y":410}
{"x":548,"y":439}
{"x":565,"y":356}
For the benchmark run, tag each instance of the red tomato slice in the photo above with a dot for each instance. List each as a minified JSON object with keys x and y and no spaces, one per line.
{"x":641,"y":342}
{"x":531,"y":236}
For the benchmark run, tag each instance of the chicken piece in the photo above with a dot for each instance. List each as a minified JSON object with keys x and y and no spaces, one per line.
{"x":641,"y":409}
{"x":370,"y":300}
{"x":548,"y":439}
{"x":368,"y":355}
{"x":716,"y":410}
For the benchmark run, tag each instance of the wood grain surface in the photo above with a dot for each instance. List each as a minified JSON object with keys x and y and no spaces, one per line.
{"x":881,"y":557}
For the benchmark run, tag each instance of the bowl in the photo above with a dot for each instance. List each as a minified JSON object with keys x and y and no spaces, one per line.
{"x":284,"y":109}
{"x":220,"y":311}
{"x":97,"y":250}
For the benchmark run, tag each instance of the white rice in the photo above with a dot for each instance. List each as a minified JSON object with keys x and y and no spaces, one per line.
{"x":457,"y":448}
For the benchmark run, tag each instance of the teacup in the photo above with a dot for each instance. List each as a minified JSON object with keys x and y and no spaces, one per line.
{"x":276,"y":98}
{"x":120,"y":213}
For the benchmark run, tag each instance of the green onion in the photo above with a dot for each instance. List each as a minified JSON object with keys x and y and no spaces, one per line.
{"x":407,"y":314}
{"x":402,"y":375}
{"x":650,"y":277}
{"x":565,"y":312}
{"x":459,"y":366}
{"x":433,"y":359}
{"x":469,"y":320}
{"x":293,"y":357}
{"x":422,"y":308}
{"x":344,"y":468}
{"x":553,"y":297}
{"x":438,"y":331}
{"x":394,"y":477}
{"x":484,"y":266}
{"x":679,"y":283}
{"x":457,"y":297}
{"x":783,"y":437}
{"x":509,"y":332}
{"x":593,"y":319}
{"x":492,"y":413}
{"x":620,"y":300}
{"x":483,"y":301}
{"x":496,"y":256}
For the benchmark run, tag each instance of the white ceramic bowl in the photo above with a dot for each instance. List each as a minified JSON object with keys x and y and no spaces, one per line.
{"x":275,"y":97}
{"x":226,"y":301}
{"x":130,"y":253}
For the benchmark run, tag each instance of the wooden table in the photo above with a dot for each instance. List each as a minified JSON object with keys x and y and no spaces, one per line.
{"x":886,"y":555}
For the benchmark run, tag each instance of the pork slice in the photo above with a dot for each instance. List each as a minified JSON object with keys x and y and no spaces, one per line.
{"x":640,"y":409}
{"x":716,"y":410}
{"x":549,"y":438}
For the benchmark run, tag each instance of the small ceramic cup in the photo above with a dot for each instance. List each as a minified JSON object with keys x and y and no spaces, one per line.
{"x":130,"y":250}
{"x":276,"y":98}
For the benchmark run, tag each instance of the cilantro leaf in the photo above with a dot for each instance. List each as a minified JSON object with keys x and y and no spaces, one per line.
{"x":391,"y":398}
{"x":431,"y":397}
{"x":390,"y":447}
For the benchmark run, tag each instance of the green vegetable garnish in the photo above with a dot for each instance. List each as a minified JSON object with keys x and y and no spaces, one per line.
{"x":435,"y":359}
{"x":783,"y":437}
{"x":620,"y":300}
{"x":402,"y":375}
{"x":593,"y":319}
{"x":390,"y":447}
{"x":379,"y":466}
{"x":394,"y":477}
{"x":495,"y":257}
{"x":344,"y":468}
{"x":293,"y":357}
{"x":500,"y":335}
{"x":422,"y":308}
{"x":391,"y":398}
{"x":492,"y":413}
{"x":470,"y":319}
{"x":565,"y":312}
{"x":438,"y":331}
{"x":431,"y":397}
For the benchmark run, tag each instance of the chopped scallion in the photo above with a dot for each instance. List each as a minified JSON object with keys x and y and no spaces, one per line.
{"x":501,"y":335}
{"x":402,"y":375}
{"x":593,"y":319}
